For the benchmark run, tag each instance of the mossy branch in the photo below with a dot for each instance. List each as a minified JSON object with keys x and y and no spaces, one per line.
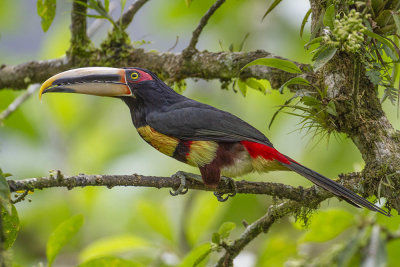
{"x":307,"y":196}
{"x":204,"y":65}
{"x":262,"y":225}
{"x":79,"y":39}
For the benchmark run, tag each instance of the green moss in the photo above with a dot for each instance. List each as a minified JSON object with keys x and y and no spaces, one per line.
{"x":114,"y":48}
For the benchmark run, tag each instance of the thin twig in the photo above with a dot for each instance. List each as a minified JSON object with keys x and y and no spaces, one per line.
{"x":127,"y":17}
{"x":20,"y":197}
{"x":196,"y":33}
{"x":308,"y":196}
{"x":275,"y":212}
{"x":97,"y":23}
{"x":18,"y":101}
{"x":175,"y":44}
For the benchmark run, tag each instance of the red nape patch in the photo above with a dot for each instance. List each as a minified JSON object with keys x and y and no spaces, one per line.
{"x":144,"y":76}
{"x":267,"y":152}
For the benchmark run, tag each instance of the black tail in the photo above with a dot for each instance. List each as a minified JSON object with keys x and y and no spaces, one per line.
{"x":334,"y":187}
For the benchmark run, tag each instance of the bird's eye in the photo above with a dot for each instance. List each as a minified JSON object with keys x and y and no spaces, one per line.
{"x":135,"y":76}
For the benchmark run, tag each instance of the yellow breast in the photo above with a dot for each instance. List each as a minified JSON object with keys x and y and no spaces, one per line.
{"x":163,"y":143}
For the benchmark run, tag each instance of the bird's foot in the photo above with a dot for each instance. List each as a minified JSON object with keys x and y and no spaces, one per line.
{"x":183,"y":189}
{"x":231,"y":183}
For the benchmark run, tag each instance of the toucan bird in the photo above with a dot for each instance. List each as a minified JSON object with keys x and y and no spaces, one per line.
{"x":215,"y":141}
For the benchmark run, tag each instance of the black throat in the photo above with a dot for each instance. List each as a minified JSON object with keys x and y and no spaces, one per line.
{"x":152,"y":96}
{"x":137,"y":109}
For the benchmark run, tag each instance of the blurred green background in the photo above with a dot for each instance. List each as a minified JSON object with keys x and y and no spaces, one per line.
{"x":93,"y":135}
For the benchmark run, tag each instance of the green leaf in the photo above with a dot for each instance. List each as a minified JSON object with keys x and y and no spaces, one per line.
{"x":123,"y":3}
{"x":391,"y":223}
{"x":303,"y":23}
{"x":226,"y":229}
{"x":299,"y":93}
{"x":324,"y":56}
{"x":316,"y":40}
{"x":374,"y":76}
{"x":253,"y":83}
{"x":107,"y":5}
{"x":199,"y":223}
{"x":379,"y":38}
{"x":216,"y":238}
{"x":156,"y":217}
{"x":277,"y":63}
{"x":331,"y":108}
{"x":109,"y":262}
{"x":294,"y":80}
{"x":112,"y":245}
{"x":61,"y":235}
{"x":10,"y":226}
{"x":383,"y":18}
{"x":192,"y":258}
{"x":4,"y":193}
{"x":377,"y":5}
{"x":310,"y":101}
{"x":240,"y":48}
{"x":390,"y":53}
{"x":276,"y":250}
{"x":96,"y":16}
{"x":242,"y":87}
{"x":396,"y":19}
{"x":321,"y":227}
{"x":271,"y":7}
{"x":82,"y":3}
{"x":46,"y":9}
{"x":329,"y":16}
{"x":393,"y":248}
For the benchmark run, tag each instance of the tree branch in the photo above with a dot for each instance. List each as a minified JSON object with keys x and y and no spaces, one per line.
{"x":97,"y":23}
{"x":79,"y":38}
{"x":205,"y":65}
{"x":127,"y":17}
{"x":196,"y":33}
{"x":78,"y":22}
{"x":307,"y":196}
{"x":21,"y":76}
{"x":360,"y":116}
{"x":18,"y":101}
{"x":275,"y":212}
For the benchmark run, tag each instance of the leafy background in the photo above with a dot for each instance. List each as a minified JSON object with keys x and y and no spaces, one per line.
{"x":137,"y":226}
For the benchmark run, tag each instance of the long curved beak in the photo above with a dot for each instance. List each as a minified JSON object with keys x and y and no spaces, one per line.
{"x":100,"y":81}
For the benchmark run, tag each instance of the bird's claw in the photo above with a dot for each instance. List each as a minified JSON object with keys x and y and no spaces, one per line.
{"x":232,"y":184}
{"x":182,"y":189}
{"x":220,"y":197}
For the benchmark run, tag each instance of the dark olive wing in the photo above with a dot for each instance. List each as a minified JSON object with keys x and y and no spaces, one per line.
{"x":191,"y":120}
